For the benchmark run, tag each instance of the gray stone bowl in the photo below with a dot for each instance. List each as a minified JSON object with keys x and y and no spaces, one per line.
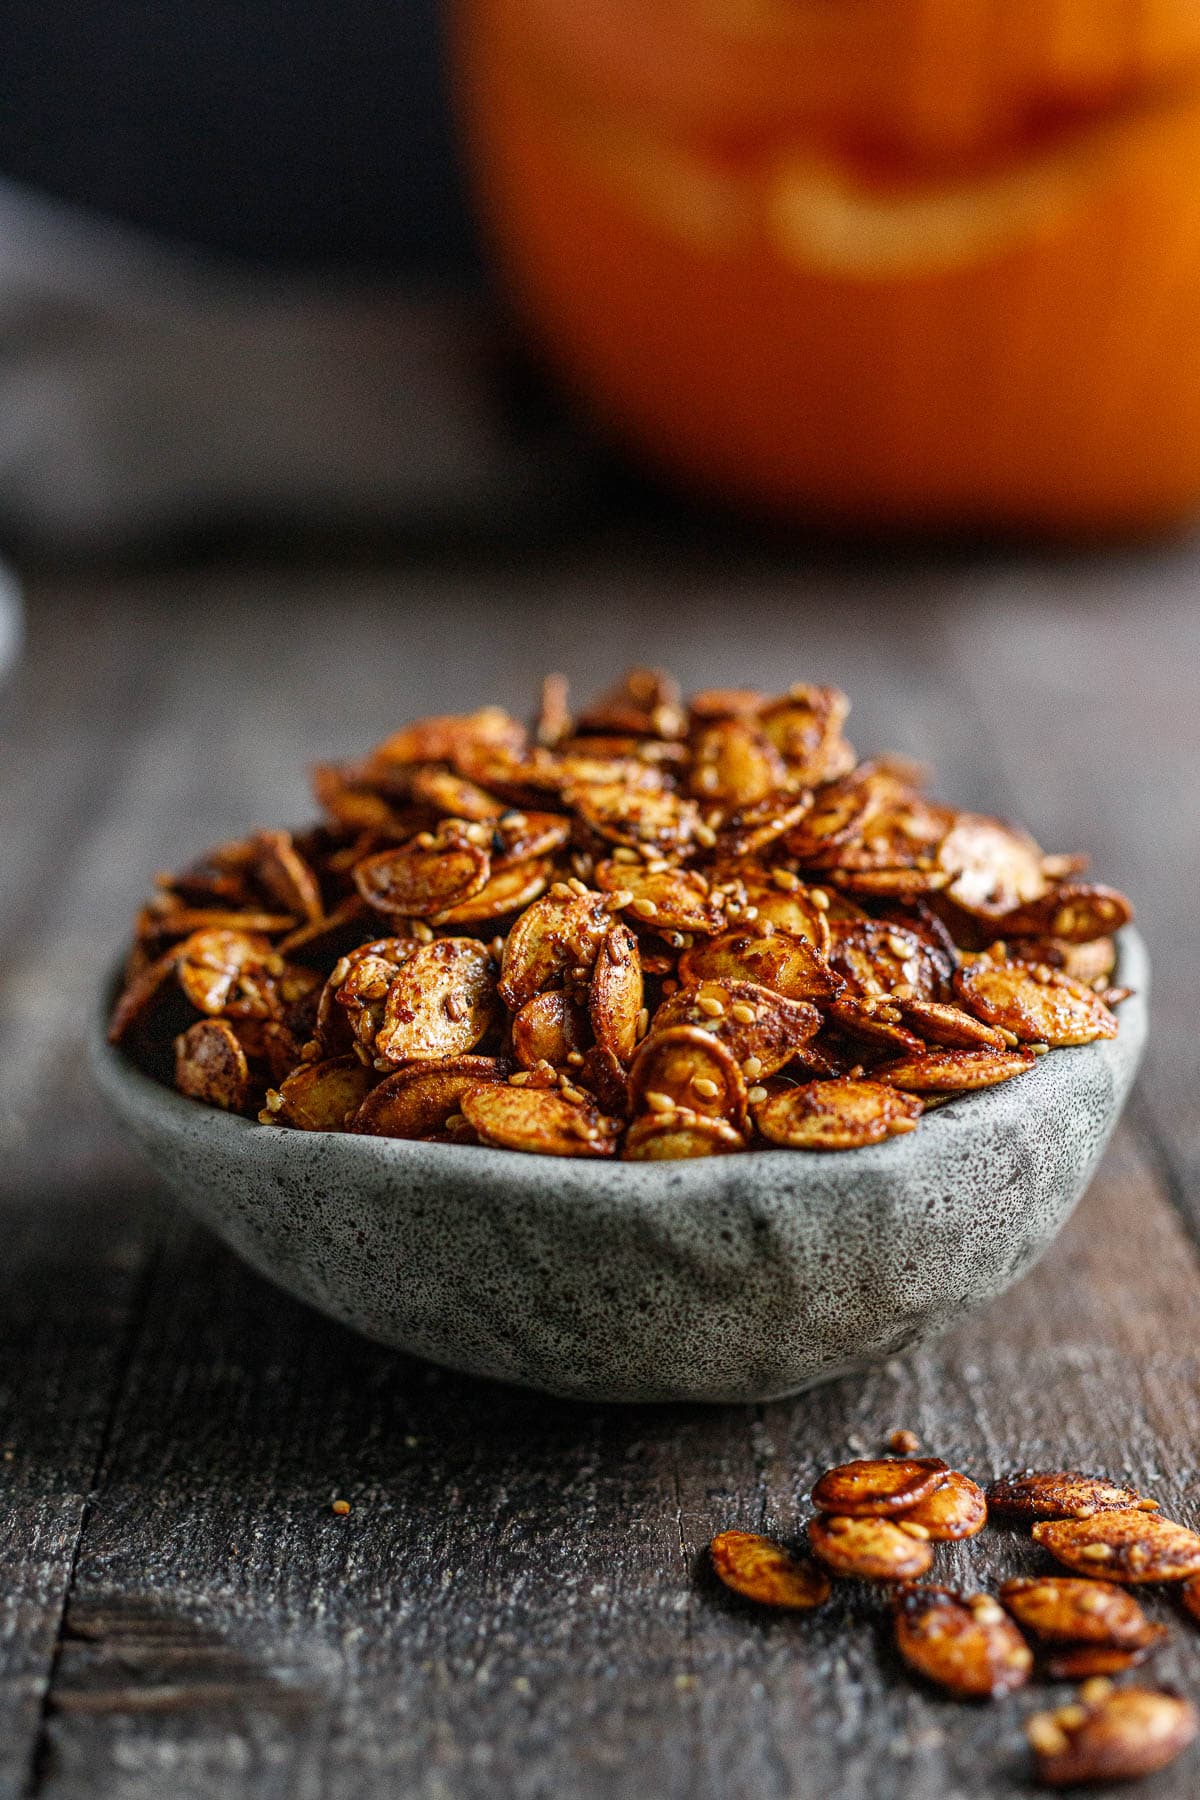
{"x":731,"y":1278}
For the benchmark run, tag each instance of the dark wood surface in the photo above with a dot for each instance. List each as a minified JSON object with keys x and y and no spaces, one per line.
{"x":517,"y":1603}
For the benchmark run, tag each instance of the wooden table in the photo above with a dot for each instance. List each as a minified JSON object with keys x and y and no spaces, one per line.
{"x":517,"y":1603}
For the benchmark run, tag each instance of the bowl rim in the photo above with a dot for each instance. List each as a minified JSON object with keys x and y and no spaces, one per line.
{"x":129,"y":1091}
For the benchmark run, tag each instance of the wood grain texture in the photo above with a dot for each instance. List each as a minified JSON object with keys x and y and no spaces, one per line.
{"x":518,"y":1602}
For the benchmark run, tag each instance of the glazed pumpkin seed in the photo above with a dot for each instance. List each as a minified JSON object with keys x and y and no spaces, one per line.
{"x":556,"y":933}
{"x":684,"y":1067}
{"x":875,"y":958}
{"x":1120,"y":1736}
{"x":842,"y":1114}
{"x":751,"y":1021}
{"x":1038,"y":1005}
{"x":452,"y":795}
{"x":879,"y":1486}
{"x":1059,"y":1494}
{"x":760,"y":1569}
{"x":615,"y":993}
{"x":670,"y":899}
{"x":678,"y":1136}
{"x":965,"y":1643}
{"x":441,"y":1003}
{"x":735,"y":764}
{"x":949,"y":1026}
{"x":1067,"y":1609}
{"x":955,"y":1509}
{"x":320,"y":1096}
{"x":284,"y":875}
{"x":507,"y":890}
{"x":417,"y":1102}
{"x":1129,"y":1545}
{"x":1076,"y":913}
{"x":1083,"y":1662}
{"x":787,"y":965}
{"x":549,"y":1028}
{"x":870,"y":1549}
{"x":538,"y":1121}
{"x":423,"y":878}
{"x":938,"y":1071}
{"x":211,"y":1066}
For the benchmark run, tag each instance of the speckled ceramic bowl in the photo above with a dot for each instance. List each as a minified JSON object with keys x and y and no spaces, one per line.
{"x":732,"y":1278}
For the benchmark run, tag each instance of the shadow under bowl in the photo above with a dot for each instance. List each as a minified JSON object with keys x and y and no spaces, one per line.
{"x":733,"y":1278}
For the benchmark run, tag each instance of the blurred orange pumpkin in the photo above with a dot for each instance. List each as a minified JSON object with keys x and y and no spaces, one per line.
{"x":889,"y":261}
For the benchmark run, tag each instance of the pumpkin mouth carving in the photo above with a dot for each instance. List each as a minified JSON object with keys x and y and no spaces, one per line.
{"x":871,"y":213}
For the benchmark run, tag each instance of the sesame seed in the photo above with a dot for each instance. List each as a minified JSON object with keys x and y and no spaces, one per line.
{"x":819,"y":898}
{"x":743,"y":1012}
{"x":750,"y":912}
{"x":645,"y":909}
{"x":560,"y":891}
{"x":455,"y":1122}
{"x":1070,"y":1718}
{"x":706,"y":835}
{"x":660,"y":1102}
{"x":421,"y":931}
{"x":913,"y":1530}
{"x":756,"y":1095}
{"x":1095,"y":1553}
{"x":1095,"y":1690}
{"x":1040,"y":1049}
{"x":274,"y":1100}
{"x":752,"y":1068}
{"x":643,"y":1023}
{"x":519,"y":1079}
{"x":623,"y":854}
{"x":454,"y":1008}
{"x":1045,"y":1737}
{"x":898,"y":946}
{"x":498,"y":948}
{"x":575,"y":1058}
{"x":711,"y":1006}
{"x":576,"y":886}
{"x":703,"y":1084}
{"x":340,"y":1507}
{"x":783,"y":878}
{"x":898,"y":1127}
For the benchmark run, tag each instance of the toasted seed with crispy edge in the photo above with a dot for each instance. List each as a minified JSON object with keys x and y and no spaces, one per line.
{"x":877,"y":1486}
{"x":760,"y":1569}
{"x":966,"y":1644}
{"x":1082,"y":1662}
{"x":556,"y":933}
{"x":1067,"y":1609}
{"x":955,"y":1509}
{"x":1129,"y":1732}
{"x":1057,"y":1494}
{"x":764,"y":1025}
{"x":539,"y":1121}
{"x":1128,"y":1545}
{"x":211,"y":1065}
{"x":321,"y":1096}
{"x":693,"y":1070}
{"x":788,"y":965}
{"x":549,"y":1028}
{"x":417,"y":1101}
{"x":441,"y":1003}
{"x":679,"y":897}
{"x":938,"y":1071}
{"x":615,"y":993}
{"x":841,"y":1114}
{"x":678,"y":1136}
{"x":1038,"y":1005}
{"x":418,"y":880}
{"x":870,"y":1549}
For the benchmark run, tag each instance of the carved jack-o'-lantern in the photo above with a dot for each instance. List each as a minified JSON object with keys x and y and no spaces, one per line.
{"x":907,"y":261}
